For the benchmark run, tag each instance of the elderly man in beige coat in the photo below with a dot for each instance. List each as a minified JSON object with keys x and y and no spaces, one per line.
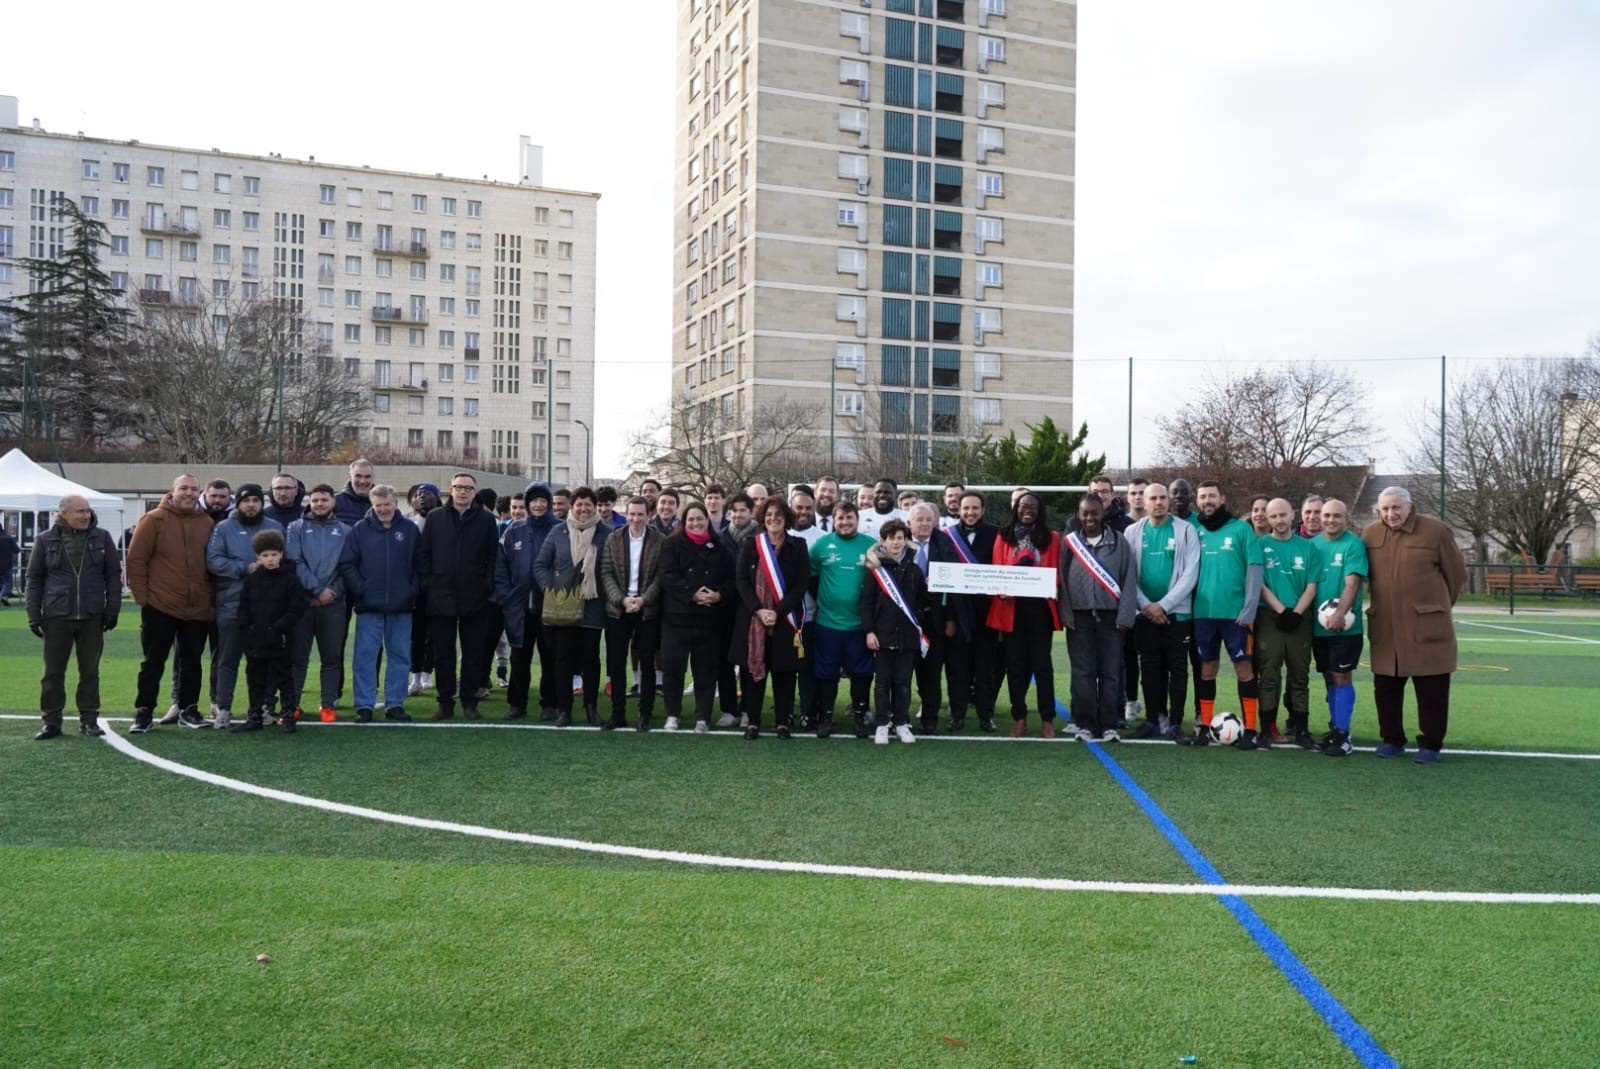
{"x":1416,"y":573}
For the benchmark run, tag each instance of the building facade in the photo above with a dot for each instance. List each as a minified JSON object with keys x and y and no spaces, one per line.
{"x":875,"y":217}
{"x":464,"y":308}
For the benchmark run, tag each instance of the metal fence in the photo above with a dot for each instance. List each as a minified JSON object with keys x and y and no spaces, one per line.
{"x":1534,"y":584}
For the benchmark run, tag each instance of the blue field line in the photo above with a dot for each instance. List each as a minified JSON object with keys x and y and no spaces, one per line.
{"x":1356,"y":1038}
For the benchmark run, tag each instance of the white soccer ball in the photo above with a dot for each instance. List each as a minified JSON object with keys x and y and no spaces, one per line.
{"x":1227,"y":727}
{"x":1328,"y":611}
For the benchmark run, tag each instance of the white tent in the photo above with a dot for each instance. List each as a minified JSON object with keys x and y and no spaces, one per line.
{"x":26,"y":487}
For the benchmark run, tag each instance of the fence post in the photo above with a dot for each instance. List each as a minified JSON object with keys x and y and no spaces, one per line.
{"x":1511,"y":589}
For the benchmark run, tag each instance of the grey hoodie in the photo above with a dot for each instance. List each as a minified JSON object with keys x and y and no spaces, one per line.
{"x":1081,"y":592}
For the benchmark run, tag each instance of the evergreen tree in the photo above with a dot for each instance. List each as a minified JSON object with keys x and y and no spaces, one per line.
{"x":71,"y":329}
{"x":1050,"y":458}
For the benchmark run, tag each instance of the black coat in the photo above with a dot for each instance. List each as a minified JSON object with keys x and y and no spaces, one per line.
{"x":685,"y":568}
{"x":56,"y":592}
{"x":969,"y":611}
{"x":456,"y":560}
{"x":270,"y":602}
{"x":881,"y":616}
{"x":794,"y":561}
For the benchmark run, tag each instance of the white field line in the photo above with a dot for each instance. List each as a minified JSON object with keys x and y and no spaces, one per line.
{"x":122,"y":745}
{"x":999,"y":738}
{"x":1528,"y":631}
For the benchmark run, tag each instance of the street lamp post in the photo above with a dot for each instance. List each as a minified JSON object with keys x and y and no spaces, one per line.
{"x":588,"y":451}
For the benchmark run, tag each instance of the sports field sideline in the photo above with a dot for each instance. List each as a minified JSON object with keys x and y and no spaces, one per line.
{"x":1120,"y":905}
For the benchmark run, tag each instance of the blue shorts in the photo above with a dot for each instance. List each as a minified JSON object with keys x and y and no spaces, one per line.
{"x":1211,"y":636}
{"x":841,"y":651}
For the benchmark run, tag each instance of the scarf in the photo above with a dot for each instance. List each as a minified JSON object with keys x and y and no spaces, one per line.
{"x":766,"y":598}
{"x":582,"y":536}
{"x":739,"y":532}
{"x":700,"y":539}
{"x":1215,"y":521}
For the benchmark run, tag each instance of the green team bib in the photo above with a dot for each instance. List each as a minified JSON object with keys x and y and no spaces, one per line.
{"x":1225,"y":557}
{"x":1289,"y":564}
{"x":1336,"y":559}
{"x":1158,"y":555}
{"x":840,"y":567}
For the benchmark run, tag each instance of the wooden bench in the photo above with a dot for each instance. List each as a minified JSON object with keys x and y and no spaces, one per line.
{"x":1586,"y":584}
{"x":1544,"y":583}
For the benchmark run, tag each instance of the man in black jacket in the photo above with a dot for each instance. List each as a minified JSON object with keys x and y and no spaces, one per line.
{"x":456,"y":560}
{"x":74,"y":595}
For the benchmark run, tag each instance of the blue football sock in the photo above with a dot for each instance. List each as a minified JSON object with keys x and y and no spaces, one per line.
{"x":1343,"y":704}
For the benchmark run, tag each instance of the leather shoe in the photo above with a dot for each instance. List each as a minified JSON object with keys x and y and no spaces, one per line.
{"x":1019,"y":728}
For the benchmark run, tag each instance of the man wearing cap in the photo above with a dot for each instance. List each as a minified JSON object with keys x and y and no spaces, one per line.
{"x":230,"y":557}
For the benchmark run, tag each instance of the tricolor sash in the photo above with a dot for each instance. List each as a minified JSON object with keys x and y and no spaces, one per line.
{"x":769,"y":564}
{"x":891,"y":590}
{"x":1080,"y":549}
{"x":963,"y":550}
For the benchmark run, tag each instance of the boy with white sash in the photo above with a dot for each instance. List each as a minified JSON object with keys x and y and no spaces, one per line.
{"x":1098,"y":606}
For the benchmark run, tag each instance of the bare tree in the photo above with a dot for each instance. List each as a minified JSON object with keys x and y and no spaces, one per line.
{"x":1299,"y":415}
{"x":695,"y":443}
{"x":1521,"y":451}
{"x":215,"y":381}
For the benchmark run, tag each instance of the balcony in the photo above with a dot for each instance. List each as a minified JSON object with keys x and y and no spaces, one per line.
{"x":155,"y":296}
{"x":168,"y":225}
{"x":387,"y":314}
{"x":250,"y":270}
{"x":324,"y":274}
{"x":473,"y":289}
{"x":416,"y":250}
{"x":391,"y":382}
{"x":412,"y":385}
{"x":470,"y":353}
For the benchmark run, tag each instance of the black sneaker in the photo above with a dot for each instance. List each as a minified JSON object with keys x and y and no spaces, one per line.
{"x":825,"y":727}
{"x":191,"y":718}
{"x":1338,"y":745}
{"x":1305,"y":740}
{"x":863,"y":723}
{"x":930,"y":725}
{"x":248,"y":724}
{"x":955,"y":724}
{"x":91,"y":728}
{"x":986,"y":725}
{"x":782,"y":732}
{"x":49,"y":731}
{"x":752,"y":733}
{"x":1246,"y":741}
{"x":363,"y":716}
{"x":563,"y":720}
{"x":1201,"y":737}
{"x":643,"y":725}
{"x":514,"y":713}
{"x":500,"y":674}
{"x":397,"y":714}
{"x":1145,"y":729}
{"x":289,"y":725}
{"x":807,"y":724}
{"x":617,"y":721}
{"x":143,"y":720}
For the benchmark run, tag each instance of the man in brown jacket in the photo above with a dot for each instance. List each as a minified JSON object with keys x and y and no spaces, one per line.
{"x":1416,"y":572}
{"x":170,"y":583}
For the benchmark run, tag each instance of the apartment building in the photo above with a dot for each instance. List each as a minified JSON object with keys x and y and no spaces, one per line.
{"x":464,"y":307}
{"x":875,"y":215}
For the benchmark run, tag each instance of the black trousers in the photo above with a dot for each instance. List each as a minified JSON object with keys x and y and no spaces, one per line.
{"x":929,"y":674}
{"x":421,"y":643}
{"x":893,"y":672}
{"x":808,"y":680}
{"x":622,"y":632}
{"x":1096,"y":647}
{"x":701,"y":648}
{"x":1028,"y":659}
{"x":576,"y":652}
{"x":63,"y":639}
{"x":828,"y":695}
{"x":1164,"y":651}
{"x":973,"y":669}
{"x":443,"y":630}
{"x":783,"y":695}
{"x":157,"y":633}
{"x":521,"y":679}
{"x":1130,"y":666}
{"x":270,"y":679}
{"x":1433,"y":708}
{"x":727,"y":671}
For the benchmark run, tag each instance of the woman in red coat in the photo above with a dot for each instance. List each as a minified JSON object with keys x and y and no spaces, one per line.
{"x":1028,"y":626}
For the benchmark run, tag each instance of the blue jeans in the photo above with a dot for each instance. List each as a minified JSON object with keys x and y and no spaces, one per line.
{"x":391,"y":630}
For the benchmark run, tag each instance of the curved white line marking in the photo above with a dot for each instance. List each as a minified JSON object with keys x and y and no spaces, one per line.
{"x":122,"y":745}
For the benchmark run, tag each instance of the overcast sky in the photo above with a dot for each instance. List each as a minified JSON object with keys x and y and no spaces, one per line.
{"x":1258,"y":180}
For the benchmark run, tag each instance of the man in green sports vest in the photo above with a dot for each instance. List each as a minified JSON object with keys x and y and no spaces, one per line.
{"x":1225,"y":600}
{"x":1283,"y":625}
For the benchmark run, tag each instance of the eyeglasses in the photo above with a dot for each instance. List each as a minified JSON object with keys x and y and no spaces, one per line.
{"x":464,"y":489}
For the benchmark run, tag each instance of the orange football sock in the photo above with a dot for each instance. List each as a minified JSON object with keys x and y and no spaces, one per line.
{"x":1206,"y":705}
{"x":1249,"y":713}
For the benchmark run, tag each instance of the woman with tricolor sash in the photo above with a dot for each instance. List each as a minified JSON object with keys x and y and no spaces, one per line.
{"x":1028,"y":625}
{"x":772,"y":576}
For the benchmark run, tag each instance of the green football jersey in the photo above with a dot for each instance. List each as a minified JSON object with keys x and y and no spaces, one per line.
{"x":1225,"y":557}
{"x":1337,"y":558}
{"x":1289,"y":563}
{"x":1158,"y":554}
{"x":840,"y":567}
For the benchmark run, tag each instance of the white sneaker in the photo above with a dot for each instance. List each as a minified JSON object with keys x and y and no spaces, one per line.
{"x":427,"y":680}
{"x":727,"y":720}
{"x":881,"y":736}
{"x":1132,"y":710}
{"x":744,"y":720}
{"x":221,"y":719}
{"x":1085,"y":735}
{"x":1110,"y":735}
{"x":671,"y":724}
{"x":701,"y":727}
{"x":172,"y":715}
{"x":903,"y":733}
{"x":414,"y":684}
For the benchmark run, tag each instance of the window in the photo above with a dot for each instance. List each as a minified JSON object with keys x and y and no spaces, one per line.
{"x":990,"y":95}
{"x":854,"y":262}
{"x":380,"y":402}
{"x":352,"y":197}
{"x":189,"y":179}
{"x":474,"y":209}
{"x":154,"y":247}
{"x":325,"y":194}
{"x":946,"y":321}
{"x":352,"y":299}
{"x":990,"y":185}
{"x":988,"y":230}
{"x":469,"y":373}
{"x":383,"y":268}
{"x":986,"y":321}
{"x":474,"y":307}
{"x":419,"y":202}
{"x":447,"y":306}
{"x":469,"y":406}
{"x":447,"y":239}
{"x":188,"y":250}
{"x":325,"y":228}
{"x":91,"y":168}
{"x":991,"y":50}
{"x":474,"y":241}
{"x":985,"y":410}
{"x":219,"y":290}
{"x":252,"y":186}
{"x":386,"y":200}
{"x":352,"y":332}
{"x":990,"y":139}
{"x":324,"y":297}
{"x":447,"y":205}
{"x":946,"y":409}
{"x":90,"y":205}
{"x":119,"y":209}
{"x":222,"y":183}
{"x":564,"y":218}
{"x":988,"y":275}
{"x":419,"y":270}
{"x":155,"y":176}
{"x":855,"y":167}
{"x":352,"y":265}
{"x":563,"y":250}
{"x":119,"y":171}
{"x":119,"y":243}
{"x":848,"y":356}
{"x":119,"y":279}
{"x":447,"y":406}
{"x":352,"y":231}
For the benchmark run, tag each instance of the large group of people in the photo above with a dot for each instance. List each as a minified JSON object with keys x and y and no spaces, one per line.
{"x":747,"y":592}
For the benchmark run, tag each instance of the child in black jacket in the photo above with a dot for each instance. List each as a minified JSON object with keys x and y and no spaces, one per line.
{"x":895,"y":637}
{"x":271,"y":602}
